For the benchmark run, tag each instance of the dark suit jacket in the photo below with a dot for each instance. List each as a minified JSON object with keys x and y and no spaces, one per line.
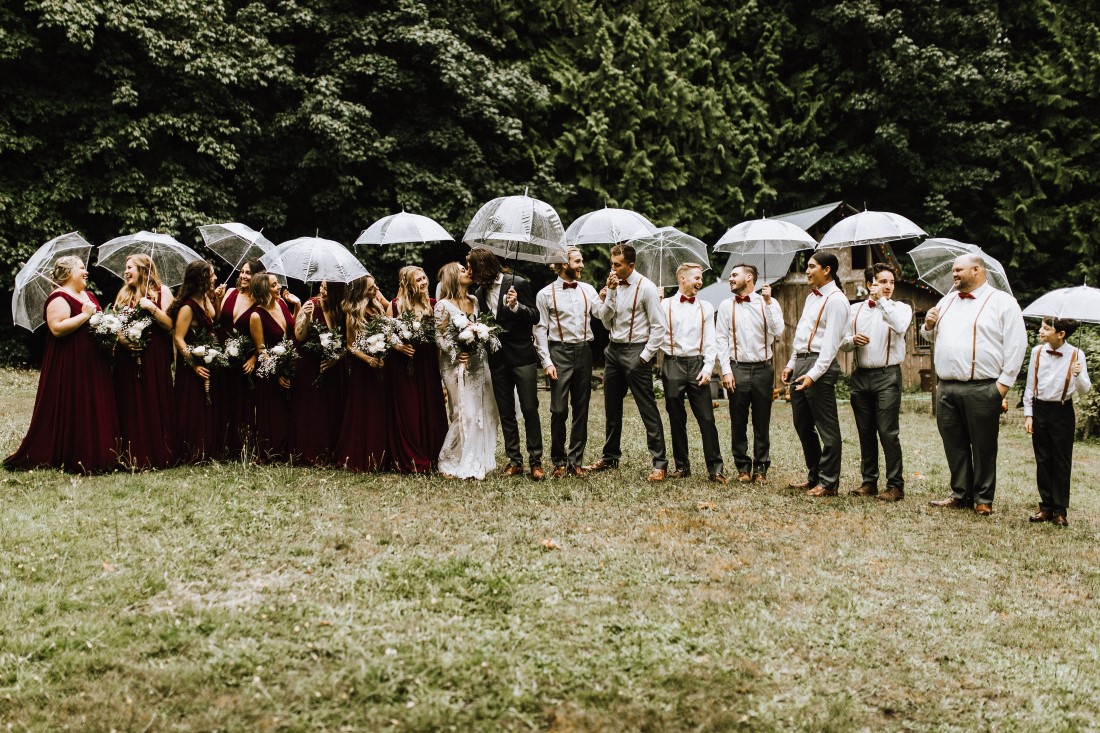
{"x":517,"y":344}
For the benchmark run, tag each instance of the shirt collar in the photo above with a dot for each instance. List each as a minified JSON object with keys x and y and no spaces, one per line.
{"x":500,"y":279}
{"x":828,"y":288}
{"x":980,"y":291}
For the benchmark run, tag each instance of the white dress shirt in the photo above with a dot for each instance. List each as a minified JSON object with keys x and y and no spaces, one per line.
{"x":821,"y":328}
{"x":981,"y":337}
{"x":492,"y":298}
{"x":758,"y":326}
{"x":1055,"y":375}
{"x":632,"y":314}
{"x":884,"y":322}
{"x":689,"y":328}
{"x":563,"y":316}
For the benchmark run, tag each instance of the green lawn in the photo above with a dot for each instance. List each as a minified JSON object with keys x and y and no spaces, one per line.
{"x":237,"y":598}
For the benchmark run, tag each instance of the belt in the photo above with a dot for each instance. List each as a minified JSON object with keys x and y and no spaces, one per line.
{"x":970,"y":381}
{"x":684,"y":358}
{"x":569,"y":343}
{"x":749,"y":363}
{"x":626,"y":343}
{"x":878,"y":369}
{"x":806,"y":353}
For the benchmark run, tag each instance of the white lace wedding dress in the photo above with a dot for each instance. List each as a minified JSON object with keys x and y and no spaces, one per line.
{"x":470,"y":448}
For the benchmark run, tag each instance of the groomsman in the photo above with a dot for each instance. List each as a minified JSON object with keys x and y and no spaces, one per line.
{"x":748,"y":327}
{"x":876,"y":331}
{"x":630,"y":309}
{"x":980,"y":342}
{"x":689,"y":361}
{"x":813,"y":370}
{"x":514,"y":366}
{"x":562,"y":338}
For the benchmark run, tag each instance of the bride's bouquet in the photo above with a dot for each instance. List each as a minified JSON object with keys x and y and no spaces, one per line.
{"x":205,"y":350}
{"x":415,"y":330}
{"x":478,"y":332}
{"x":278,"y":361}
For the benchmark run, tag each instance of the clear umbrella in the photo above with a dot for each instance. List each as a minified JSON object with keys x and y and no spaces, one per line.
{"x":313,"y":259}
{"x":518,"y":227}
{"x":1081,"y":303}
{"x":766,"y":238}
{"x":660,"y":253}
{"x":403,"y":228}
{"x":237,"y":243}
{"x":607,"y":226}
{"x":935,"y":257}
{"x":169,"y":256}
{"x":870,"y":227}
{"x":33,"y":283}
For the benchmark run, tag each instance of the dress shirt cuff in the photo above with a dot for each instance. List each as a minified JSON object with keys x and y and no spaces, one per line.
{"x":646,"y":354}
{"x":816,"y":372}
{"x":547,"y":363}
{"x":1006,"y":380}
{"x":1027,"y":410}
{"x":726,"y":368}
{"x":513,"y":307}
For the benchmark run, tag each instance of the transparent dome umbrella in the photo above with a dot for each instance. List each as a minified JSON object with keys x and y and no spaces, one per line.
{"x":870,"y":227}
{"x":403,"y":228}
{"x":607,"y":226}
{"x":765,"y":238}
{"x":169,"y":256}
{"x":935,"y":257}
{"x":236,"y":243}
{"x":518,"y":227}
{"x":313,"y":259}
{"x":660,"y":253}
{"x":1081,"y":303}
{"x":34,"y":283}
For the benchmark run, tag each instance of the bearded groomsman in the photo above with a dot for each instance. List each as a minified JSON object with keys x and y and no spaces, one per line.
{"x":748,"y":326}
{"x":813,"y":371}
{"x":980,"y":341}
{"x":562,"y":339}
{"x":876,"y":331}
{"x":630,"y":309}
{"x":689,"y":361}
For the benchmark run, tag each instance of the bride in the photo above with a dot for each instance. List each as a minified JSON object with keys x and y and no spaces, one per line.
{"x":469,"y":450}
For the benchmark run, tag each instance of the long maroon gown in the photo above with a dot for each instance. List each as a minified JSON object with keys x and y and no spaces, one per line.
{"x":272,"y":402}
{"x":235,"y":412}
{"x":318,"y":409}
{"x":415,"y":411}
{"x":74,"y":425}
{"x":146,"y":401}
{"x":197,"y":425}
{"x":363,"y":443}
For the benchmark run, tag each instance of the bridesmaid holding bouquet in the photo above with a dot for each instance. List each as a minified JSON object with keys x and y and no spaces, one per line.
{"x":236,"y":418}
{"x":320,"y":383}
{"x":363,"y":444}
{"x":269,"y":322}
{"x":194,"y":312}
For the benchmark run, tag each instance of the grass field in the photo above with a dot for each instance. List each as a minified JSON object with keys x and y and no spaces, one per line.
{"x":228,"y":597}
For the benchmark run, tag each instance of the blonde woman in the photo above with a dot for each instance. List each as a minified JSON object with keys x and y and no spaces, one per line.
{"x":363,"y":443}
{"x":143,"y":374}
{"x":269,"y":321}
{"x":417,"y":414}
{"x":74,"y":425}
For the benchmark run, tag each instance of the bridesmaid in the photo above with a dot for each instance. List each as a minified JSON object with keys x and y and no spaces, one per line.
{"x":268,"y":322}
{"x":74,"y":426}
{"x":318,"y":409}
{"x":362,"y":444}
{"x":143,"y":377}
{"x":194,"y":312}
{"x":235,"y":416}
{"x":415,"y":412}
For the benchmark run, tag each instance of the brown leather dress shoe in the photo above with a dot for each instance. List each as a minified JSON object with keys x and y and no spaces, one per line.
{"x":537,"y":474}
{"x":513,"y":470}
{"x":1060,"y":520}
{"x":892,"y":494}
{"x":760,"y":478}
{"x":744,"y":477}
{"x":657,"y":474}
{"x":865,"y":489}
{"x":577,"y":471}
{"x":802,"y":486}
{"x":719,"y":479}
{"x":559,"y":472}
{"x":821,"y":491}
{"x":679,"y":473}
{"x":600,"y":465}
{"x":949,"y":503}
{"x":1041,"y":516}
{"x":983,"y":510}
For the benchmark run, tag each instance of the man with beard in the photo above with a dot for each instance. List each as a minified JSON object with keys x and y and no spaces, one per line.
{"x":748,"y":327}
{"x":562,"y":338}
{"x":514,"y":366}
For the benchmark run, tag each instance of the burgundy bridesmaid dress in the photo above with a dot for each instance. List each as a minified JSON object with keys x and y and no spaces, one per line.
{"x":232,"y":390}
{"x":197,"y":425}
{"x":363,"y":441}
{"x":416,"y":414}
{"x":271,"y":401}
{"x":318,"y":409}
{"x":74,"y":426}
{"x":146,"y":401}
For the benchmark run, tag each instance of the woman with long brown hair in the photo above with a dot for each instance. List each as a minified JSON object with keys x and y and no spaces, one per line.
{"x":363,"y":444}
{"x":416,"y":414}
{"x":269,"y":321}
{"x":235,"y":415}
{"x":143,"y":374}
{"x":320,"y":384}
{"x":193,"y":312}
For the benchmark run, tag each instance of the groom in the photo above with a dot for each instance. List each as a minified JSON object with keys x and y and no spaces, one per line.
{"x":515,"y":366}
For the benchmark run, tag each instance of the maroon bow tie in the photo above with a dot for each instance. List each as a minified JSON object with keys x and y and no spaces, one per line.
{"x":686,"y":299}
{"x":966,"y":296}
{"x":1052,"y":352}
{"x":816,"y":292}
{"x":870,"y":304}
{"x":742,"y":298}
{"x":568,"y":286}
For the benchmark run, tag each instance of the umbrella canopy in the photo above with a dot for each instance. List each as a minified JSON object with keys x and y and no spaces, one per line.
{"x":660,"y":253}
{"x":1081,"y":303}
{"x":765,"y":238}
{"x":518,"y":227}
{"x":934,"y":258}
{"x":237,"y":243}
{"x":170,"y":257}
{"x":870,"y":227}
{"x":607,"y":226}
{"x":403,"y":228}
{"x":313,"y":259}
{"x":33,"y":283}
